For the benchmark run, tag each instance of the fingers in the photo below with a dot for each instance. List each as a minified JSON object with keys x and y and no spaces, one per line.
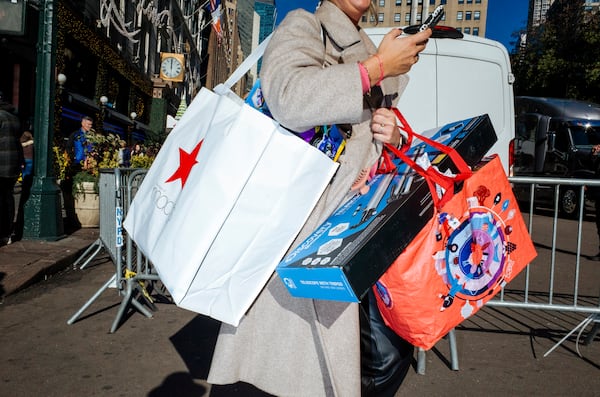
{"x":422,"y":37}
{"x":394,"y":33}
{"x":383,"y":116}
{"x":399,"y":54}
{"x":383,"y":126}
{"x":387,"y":133}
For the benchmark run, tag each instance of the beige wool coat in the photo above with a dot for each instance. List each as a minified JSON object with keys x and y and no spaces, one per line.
{"x":302,"y":347}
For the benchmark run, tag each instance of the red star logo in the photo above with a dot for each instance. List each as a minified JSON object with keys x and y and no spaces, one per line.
{"x":186,"y":162}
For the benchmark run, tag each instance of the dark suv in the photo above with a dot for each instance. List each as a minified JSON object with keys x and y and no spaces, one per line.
{"x":554,"y":138}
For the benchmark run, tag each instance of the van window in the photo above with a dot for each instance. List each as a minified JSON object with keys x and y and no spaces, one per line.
{"x":593,"y":134}
{"x":561,"y":142}
{"x":526,"y":127}
{"x":583,"y":135}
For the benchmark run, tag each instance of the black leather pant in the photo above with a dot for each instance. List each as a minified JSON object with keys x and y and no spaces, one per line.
{"x":385,"y":356}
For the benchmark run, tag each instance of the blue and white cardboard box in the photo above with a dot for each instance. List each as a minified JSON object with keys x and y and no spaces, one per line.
{"x":348,"y":253}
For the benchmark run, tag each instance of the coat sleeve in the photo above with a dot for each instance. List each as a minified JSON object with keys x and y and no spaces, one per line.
{"x":302,"y":87}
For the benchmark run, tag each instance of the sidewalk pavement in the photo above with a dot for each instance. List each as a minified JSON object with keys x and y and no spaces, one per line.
{"x":26,"y":262}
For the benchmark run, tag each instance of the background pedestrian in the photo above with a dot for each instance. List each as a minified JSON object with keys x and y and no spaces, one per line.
{"x":11,"y":161}
{"x":78,"y":141}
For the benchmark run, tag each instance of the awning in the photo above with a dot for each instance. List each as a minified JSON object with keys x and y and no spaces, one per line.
{"x":87,"y":104}
{"x":119,"y":118}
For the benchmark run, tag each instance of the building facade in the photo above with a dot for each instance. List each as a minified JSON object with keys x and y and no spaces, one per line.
{"x":268,"y":15}
{"x":110,"y":50}
{"x":537,"y":12}
{"x":246,"y":16}
{"x":104,"y":59}
{"x":539,"y":8}
{"x":467,"y":16}
{"x":592,"y":5}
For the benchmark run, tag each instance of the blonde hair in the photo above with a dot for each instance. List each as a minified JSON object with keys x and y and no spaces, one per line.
{"x":26,"y":136}
{"x":373,"y":9}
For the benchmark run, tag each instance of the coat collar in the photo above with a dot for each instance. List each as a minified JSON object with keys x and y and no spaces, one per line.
{"x":341,"y":30}
{"x":355,"y":45}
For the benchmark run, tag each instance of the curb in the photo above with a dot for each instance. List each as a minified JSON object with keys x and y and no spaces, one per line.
{"x":27,"y":262}
{"x":43,"y":272}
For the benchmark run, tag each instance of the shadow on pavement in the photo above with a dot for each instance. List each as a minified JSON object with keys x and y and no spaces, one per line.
{"x":195,"y":343}
{"x":180,"y":384}
{"x":544,"y":328}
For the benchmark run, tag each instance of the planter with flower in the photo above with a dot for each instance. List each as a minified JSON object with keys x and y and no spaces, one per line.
{"x":101,"y":152}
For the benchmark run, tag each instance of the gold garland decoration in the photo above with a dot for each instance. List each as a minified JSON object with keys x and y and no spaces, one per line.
{"x":60,"y":67}
{"x":98,"y":47}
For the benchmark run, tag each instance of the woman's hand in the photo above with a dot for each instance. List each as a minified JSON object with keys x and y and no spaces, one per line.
{"x":384,"y":128}
{"x":398,"y":54}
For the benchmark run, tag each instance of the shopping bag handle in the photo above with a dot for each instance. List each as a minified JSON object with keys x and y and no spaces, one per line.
{"x":431,"y":175}
{"x":247,"y":64}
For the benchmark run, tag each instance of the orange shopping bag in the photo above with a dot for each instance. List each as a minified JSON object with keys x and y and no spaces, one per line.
{"x":475,"y":243}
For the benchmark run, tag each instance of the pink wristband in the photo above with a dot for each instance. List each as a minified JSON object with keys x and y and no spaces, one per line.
{"x":364,"y":78}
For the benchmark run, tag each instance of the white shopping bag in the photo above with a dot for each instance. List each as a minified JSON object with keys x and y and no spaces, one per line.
{"x":227,"y":194}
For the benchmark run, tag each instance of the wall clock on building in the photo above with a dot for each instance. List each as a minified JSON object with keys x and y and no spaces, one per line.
{"x":171,"y":66}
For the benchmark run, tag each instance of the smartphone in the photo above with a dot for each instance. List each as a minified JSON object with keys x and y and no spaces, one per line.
{"x":433,"y":18}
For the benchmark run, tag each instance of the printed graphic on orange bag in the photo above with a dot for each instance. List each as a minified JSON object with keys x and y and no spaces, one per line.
{"x":473,"y":246}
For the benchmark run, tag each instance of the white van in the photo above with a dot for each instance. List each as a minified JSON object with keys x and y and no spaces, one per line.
{"x":460,"y":78}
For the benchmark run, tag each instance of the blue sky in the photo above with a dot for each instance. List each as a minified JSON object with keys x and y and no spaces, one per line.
{"x":504,"y":16}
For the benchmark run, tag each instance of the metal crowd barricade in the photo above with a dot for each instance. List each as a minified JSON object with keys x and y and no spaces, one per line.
{"x":133,"y":272}
{"x":106,"y":239}
{"x":547,"y":296}
{"x":571,"y":300}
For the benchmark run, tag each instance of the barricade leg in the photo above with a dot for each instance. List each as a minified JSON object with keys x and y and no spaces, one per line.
{"x":422,"y":354}
{"x":581,"y":325}
{"x":129,"y":298}
{"x":453,"y":350}
{"x":96,"y":244}
{"x":92,"y":299}
{"x":421,"y":361}
{"x":590,"y":337}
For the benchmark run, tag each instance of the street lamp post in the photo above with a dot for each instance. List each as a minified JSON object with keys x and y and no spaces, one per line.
{"x":61,"y":79}
{"x":43,"y":215}
{"x":103,"y":102}
{"x":133,"y":116}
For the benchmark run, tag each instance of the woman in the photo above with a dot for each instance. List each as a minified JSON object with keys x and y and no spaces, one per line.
{"x":321,"y":69}
{"x":27,"y":144}
{"x":11,"y":160}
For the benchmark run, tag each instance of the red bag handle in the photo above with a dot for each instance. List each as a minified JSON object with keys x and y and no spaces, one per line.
{"x":385,"y":165}
{"x":431,"y":175}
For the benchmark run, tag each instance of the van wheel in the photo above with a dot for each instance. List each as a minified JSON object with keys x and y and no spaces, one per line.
{"x":569,"y":202}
